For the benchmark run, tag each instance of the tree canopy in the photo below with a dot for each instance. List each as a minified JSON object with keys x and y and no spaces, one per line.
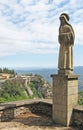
{"x":6,"y":70}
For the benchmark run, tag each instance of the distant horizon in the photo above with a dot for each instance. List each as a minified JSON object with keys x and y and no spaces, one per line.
{"x":34,"y":67}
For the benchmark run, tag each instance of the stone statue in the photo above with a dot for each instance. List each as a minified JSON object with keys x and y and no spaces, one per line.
{"x":66,"y":39}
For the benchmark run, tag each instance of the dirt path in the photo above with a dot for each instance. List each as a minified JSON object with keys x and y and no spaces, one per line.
{"x":32,"y":122}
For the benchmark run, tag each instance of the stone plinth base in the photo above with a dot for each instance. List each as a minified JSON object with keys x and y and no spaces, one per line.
{"x":65,"y":97}
{"x":65,"y":72}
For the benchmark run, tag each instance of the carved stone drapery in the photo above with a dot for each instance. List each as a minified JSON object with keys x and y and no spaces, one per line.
{"x":66,"y":39}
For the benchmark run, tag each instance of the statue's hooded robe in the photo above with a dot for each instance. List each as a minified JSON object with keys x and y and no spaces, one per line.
{"x":66,"y":40}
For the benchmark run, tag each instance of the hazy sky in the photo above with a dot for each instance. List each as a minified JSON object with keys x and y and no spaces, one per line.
{"x":29,"y":32}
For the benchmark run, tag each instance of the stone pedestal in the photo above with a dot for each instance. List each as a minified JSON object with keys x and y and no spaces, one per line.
{"x":65,"y":97}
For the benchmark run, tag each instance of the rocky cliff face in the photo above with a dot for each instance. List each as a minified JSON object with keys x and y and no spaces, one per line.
{"x":42,"y":86}
{"x":35,"y":84}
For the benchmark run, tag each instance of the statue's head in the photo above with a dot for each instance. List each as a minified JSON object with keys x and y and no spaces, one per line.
{"x":64,"y":16}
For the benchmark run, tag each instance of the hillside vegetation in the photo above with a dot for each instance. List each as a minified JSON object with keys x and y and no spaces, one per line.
{"x":46,"y":73}
{"x":12,"y":90}
{"x":38,"y":87}
{"x":7,"y":71}
{"x":80,"y":98}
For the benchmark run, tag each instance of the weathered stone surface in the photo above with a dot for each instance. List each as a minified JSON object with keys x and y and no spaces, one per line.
{"x":65,"y":97}
{"x":8,"y":111}
{"x":66,"y":40}
{"x":78,"y":117}
{"x":38,"y":106}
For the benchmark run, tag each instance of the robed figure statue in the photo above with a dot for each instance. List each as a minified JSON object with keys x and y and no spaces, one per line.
{"x":66,"y":39}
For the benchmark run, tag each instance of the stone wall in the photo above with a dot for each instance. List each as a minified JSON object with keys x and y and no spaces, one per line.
{"x":41,"y":107}
{"x":78,"y":116}
{"x":11,"y":110}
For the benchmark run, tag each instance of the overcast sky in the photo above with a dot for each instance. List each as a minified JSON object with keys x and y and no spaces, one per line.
{"x":29,"y":32}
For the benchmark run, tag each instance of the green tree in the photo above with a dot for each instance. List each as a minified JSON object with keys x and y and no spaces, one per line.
{"x":11,"y":89}
{"x":35,"y":91}
{"x":8,"y":71}
{"x":38,"y":81}
{"x":80,"y":98}
{"x":0,"y":70}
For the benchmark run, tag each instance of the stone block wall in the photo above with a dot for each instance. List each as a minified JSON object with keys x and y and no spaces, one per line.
{"x":65,"y":98}
{"x":41,"y":107}
{"x":11,"y":110}
{"x":6,"y":112}
{"x":78,"y":117}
